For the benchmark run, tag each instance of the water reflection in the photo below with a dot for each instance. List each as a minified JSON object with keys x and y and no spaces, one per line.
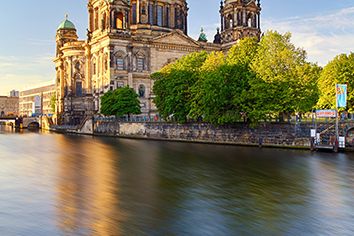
{"x":87,"y":188}
{"x":103,"y":186}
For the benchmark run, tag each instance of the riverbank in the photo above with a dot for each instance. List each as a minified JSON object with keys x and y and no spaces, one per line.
{"x":275,"y":135}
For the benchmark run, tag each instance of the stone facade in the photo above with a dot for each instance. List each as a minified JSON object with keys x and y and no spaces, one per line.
{"x":8,"y":106}
{"x":126,"y":42}
{"x":267,"y":134}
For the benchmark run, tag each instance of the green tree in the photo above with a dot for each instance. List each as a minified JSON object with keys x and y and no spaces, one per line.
{"x":243,"y":53}
{"x":53,"y":101}
{"x":220,"y":96}
{"x":120,"y":102}
{"x":173,"y":85}
{"x":338,"y":71}
{"x":285,"y":82}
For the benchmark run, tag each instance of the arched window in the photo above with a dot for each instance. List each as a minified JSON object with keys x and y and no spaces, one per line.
{"x":91,"y":20}
{"x":94,"y":67}
{"x":66,"y":91}
{"x":96,"y":18}
{"x":230,"y":21}
{"x":119,"y":58}
{"x":103,"y":21}
{"x":249,"y":20}
{"x":140,"y":63}
{"x":159,"y":15}
{"x":177,"y":18}
{"x":141,"y":91}
{"x":120,"y":20}
{"x":77,"y":66}
{"x":120,"y":63}
{"x":133,"y":14}
{"x":239,"y":18}
{"x":78,"y":90}
{"x":143,"y":9}
{"x":105,"y":62}
{"x":151,"y":14}
{"x":167,"y":21}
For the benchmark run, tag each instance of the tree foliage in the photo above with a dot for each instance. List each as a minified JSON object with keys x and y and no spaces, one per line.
{"x":338,"y":71}
{"x":173,"y":85}
{"x":253,"y":81}
{"x":285,"y":82}
{"x":221,"y":94}
{"x":53,"y":101}
{"x":120,"y":102}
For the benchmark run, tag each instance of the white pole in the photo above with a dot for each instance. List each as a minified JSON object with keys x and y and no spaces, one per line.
{"x":337,"y":114}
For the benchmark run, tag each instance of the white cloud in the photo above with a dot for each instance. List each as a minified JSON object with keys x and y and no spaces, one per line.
{"x":21,"y":72}
{"x":323,"y":36}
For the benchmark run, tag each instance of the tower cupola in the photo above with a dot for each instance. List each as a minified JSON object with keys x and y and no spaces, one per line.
{"x":66,"y":32}
{"x":239,"y":19}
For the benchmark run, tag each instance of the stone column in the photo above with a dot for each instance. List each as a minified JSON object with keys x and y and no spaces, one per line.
{"x":138,"y":10}
{"x":127,"y":19}
{"x":222,"y":22}
{"x":91,"y":19}
{"x":88,"y":69}
{"x":130,"y":80}
{"x":244,"y":20}
{"x":172,"y":16}
{"x":155,"y":12}
{"x":62,"y":87}
{"x":185,"y":23}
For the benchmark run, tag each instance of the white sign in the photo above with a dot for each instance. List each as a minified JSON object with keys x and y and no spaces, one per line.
{"x":326,"y":113}
{"x":313,"y":133}
{"x":318,"y":138}
{"x":341,"y":141}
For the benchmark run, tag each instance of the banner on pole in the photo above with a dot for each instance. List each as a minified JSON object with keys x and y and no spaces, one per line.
{"x":326,"y":113}
{"x":341,"y":95}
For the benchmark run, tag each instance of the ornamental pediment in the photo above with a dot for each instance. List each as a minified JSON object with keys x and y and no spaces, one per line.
{"x":176,"y":38}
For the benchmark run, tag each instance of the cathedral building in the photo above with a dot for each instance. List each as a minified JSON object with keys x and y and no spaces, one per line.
{"x":127,"y":40}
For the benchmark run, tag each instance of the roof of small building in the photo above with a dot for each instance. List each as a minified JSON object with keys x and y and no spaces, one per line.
{"x":66,"y":24}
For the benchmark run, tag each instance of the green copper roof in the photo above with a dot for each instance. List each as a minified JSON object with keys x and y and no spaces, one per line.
{"x":66,"y":24}
{"x":202,"y":36}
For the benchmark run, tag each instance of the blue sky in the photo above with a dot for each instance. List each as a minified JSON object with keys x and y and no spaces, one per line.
{"x":324,"y":28}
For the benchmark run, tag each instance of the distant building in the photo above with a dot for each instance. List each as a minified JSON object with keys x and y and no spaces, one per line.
{"x":8,"y":106}
{"x":37,"y":100}
{"x":14,"y":93}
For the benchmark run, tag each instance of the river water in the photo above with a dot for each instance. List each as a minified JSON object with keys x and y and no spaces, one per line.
{"x":53,"y":184}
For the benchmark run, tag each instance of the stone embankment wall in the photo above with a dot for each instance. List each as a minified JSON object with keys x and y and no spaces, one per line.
{"x":279,"y":135}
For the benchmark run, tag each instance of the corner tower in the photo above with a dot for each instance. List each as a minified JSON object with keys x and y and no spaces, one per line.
{"x":239,"y":19}
{"x":108,"y":17}
{"x":66,"y":32}
{"x":158,"y":16}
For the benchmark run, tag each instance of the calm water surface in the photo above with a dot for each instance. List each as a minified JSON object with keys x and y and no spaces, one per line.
{"x":52,"y":184}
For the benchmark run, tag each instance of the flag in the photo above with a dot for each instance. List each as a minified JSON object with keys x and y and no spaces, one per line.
{"x":341,"y":95}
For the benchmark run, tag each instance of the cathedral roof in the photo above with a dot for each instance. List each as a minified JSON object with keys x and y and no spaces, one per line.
{"x":66,"y":24}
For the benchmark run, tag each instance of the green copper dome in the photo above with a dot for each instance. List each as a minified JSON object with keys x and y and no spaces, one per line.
{"x":202,"y":36}
{"x":66,"y":24}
